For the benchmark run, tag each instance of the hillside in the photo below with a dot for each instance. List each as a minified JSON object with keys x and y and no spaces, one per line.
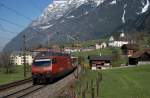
{"x":70,"y":20}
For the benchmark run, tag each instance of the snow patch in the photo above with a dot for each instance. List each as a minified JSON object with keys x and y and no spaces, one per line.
{"x":124,"y":12}
{"x":86,"y":13}
{"x":146,"y":6}
{"x":69,"y":17}
{"x":99,"y":2}
{"x":46,"y":27}
{"x":142,"y":2}
{"x":113,"y":2}
{"x":62,"y":21}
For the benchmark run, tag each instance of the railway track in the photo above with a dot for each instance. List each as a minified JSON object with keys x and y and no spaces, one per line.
{"x":39,"y":91}
{"x":14,"y":84}
{"x":24,"y":92}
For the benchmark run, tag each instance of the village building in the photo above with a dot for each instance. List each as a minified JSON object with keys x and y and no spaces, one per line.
{"x":35,"y":52}
{"x":17,"y":58}
{"x":140,"y":58}
{"x":100,"y":62}
{"x":40,"y":50}
{"x":101,"y":45}
{"x":118,"y":42}
{"x":71,"y":50}
{"x":56,"y":47}
{"x":129,"y":49}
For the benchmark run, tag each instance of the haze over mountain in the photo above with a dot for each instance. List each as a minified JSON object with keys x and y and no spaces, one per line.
{"x":70,"y":20}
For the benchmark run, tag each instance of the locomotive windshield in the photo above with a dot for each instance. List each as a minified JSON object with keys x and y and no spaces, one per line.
{"x":42,"y":62}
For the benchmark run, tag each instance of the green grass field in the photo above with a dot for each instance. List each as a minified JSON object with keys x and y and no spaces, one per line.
{"x":17,"y":75}
{"x":120,"y":83}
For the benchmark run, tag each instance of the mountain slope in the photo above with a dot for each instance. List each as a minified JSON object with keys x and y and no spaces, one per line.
{"x":70,"y":20}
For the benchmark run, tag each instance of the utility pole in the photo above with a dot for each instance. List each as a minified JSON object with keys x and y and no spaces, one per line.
{"x":48,"y":43}
{"x":24,"y":54}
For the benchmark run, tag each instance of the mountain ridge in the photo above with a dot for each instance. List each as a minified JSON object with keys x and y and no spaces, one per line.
{"x":82,"y":20}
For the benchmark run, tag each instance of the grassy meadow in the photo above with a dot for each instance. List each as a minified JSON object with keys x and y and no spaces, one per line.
{"x":18,"y":74}
{"x":133,"y":82}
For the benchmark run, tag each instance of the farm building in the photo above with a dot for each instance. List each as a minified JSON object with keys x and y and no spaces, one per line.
{"x":17,"y":58}
{"x":100,"y":62}
{"x":118,"y":42}
{"x":140,"y":58}
{"x":38,"y":50}
{"x":129,"y":49}
{"x":41,"y":49}
{"x":100,"y":45}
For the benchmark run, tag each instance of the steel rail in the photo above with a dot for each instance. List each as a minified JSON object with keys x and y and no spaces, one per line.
{"x":24,"y":92}
{"x":13,"y":84}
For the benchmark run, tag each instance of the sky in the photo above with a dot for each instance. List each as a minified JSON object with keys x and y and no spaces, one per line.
{"x":20,"y":12}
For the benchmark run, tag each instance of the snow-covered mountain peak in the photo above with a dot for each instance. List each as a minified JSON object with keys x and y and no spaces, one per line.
{"x":64,"y":20}
{"x":59,"y":8}
{"x":59,"y":1}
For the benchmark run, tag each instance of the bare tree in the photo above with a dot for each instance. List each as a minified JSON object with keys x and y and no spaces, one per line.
{"x":6,"y":63}
{"x":0,"y":63}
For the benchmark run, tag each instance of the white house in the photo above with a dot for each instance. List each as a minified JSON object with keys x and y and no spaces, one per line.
{"x":71,"y":50}
{"x":18,"y":58}
{"x":100,"y":46}
{"x":118,"y":42}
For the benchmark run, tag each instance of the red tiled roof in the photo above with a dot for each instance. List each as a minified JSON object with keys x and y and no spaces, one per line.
{"x":147,"y":50}
{"x":137,"y":54}
{"x":100,"y":58}
{"x":140,"y":53}
{"x":40,"y":50}
{"x":131,"y":46}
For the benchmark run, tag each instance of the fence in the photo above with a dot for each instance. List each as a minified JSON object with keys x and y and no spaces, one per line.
{"x":90,"y":89}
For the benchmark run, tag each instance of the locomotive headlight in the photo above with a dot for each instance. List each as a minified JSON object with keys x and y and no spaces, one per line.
{"x":48,"y":69}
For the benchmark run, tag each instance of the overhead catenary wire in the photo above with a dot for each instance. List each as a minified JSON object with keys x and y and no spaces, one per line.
{"x":19,"y":14}
{"x":35,"y":6}
{"x":2,"y":5}
{"x":18,"y":25}
{"x":3,"y":37}
{"x":14,"y":11}
{"x":2,"y":29}
{"x":10,"y":22}
{"x":5,"y":30}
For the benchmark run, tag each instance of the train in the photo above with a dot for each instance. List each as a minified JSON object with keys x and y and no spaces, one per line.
{"x":48,"y":66}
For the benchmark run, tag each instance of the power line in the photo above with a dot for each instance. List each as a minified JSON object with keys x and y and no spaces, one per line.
{"x":24,"y":54}
{"x":3,"y":29}
{"x":5,"y":38}
{"x":16,"y":12}
{"x":18,"y":25}
{"x":35,"y":6}
{"x":10,"y":22}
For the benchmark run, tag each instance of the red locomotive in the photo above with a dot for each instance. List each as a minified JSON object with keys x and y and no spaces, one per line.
{"x":48,"y":66}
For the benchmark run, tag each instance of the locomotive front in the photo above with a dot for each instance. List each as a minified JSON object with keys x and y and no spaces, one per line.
{"x":41,"y":70}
